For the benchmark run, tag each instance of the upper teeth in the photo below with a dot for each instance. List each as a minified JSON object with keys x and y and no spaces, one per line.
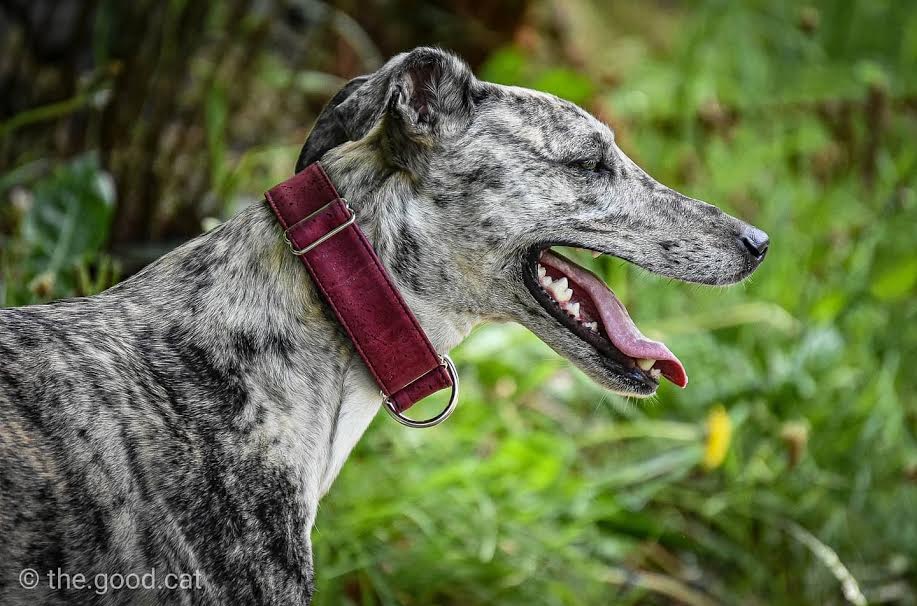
{"x":560,"y":291}
{"x":645,"y":363}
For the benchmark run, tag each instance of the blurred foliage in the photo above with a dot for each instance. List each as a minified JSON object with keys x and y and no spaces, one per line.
{"x":785,"y":474}
{"x":61,"y":224}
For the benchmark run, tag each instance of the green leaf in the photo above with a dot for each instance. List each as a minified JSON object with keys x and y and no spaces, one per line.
{"x":505,"y":66}
{"x":69,"y":219}
{"x":566,"y":84}
{"x":896,"y":282}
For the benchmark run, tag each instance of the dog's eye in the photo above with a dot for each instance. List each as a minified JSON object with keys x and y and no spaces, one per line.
{"x":590,"y":165}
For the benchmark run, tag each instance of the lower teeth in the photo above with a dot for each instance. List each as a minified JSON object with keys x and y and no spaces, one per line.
{"x":555,"y":289}
{"x":573,"y":310}
{"x":645,"y":363}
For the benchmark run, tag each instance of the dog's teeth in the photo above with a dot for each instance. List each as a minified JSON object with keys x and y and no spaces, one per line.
{"x":655,"y":372}
{"x":546,"y":282}
{"x":541,"y":271}
{"x":561,"y":293}
{"x":573,"y":310}
{"x":645,"y":363}
{"x":596,"y":255}
{"x":593,"y":326}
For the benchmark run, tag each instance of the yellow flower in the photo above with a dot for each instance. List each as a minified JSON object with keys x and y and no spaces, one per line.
{"x":719,"y":434}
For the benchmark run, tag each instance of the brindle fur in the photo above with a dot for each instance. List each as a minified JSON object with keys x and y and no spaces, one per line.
{"x":190,"y":418}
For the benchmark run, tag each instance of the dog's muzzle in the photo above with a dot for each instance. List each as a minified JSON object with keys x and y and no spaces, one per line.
{"x":320,"y":228}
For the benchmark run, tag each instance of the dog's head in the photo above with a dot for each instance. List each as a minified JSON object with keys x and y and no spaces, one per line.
{"x":466,"y":185}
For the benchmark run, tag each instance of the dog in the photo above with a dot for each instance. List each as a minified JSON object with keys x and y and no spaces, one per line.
{"x":188,"y":420}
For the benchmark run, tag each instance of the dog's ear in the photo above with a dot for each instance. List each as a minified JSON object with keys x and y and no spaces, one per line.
{"x":426,"y":92}
{"x":431,"y":94}
{"x":329,"y":130}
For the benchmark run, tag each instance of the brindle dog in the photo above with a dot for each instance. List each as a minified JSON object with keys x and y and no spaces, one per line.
{"x":189,"y":419}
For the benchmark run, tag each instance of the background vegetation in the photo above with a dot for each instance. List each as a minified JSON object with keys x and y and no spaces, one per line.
{"x":785,"y":474}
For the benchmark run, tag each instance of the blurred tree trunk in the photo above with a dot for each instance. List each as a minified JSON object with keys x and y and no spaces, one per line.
{"x":151,"y":45}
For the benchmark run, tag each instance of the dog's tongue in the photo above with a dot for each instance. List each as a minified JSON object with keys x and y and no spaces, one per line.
{"x":621,"y":330}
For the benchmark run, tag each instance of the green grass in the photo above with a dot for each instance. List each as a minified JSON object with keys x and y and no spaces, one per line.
{"x":542,"y":488}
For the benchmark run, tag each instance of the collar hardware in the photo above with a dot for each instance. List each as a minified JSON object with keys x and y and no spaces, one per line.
{"x":392,"y":409}
{"x":320,"y":228}
{"x":301,"y":251}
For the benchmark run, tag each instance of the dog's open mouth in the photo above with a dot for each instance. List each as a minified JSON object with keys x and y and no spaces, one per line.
{"x":585,"y":306}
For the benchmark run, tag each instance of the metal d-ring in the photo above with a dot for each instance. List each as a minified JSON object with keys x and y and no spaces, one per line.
{"x":443,"y":415}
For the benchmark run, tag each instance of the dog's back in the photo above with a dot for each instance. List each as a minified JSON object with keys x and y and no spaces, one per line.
{"x":123,"y":451}
{"x":49,"y":512}
{"x":72,"y":483}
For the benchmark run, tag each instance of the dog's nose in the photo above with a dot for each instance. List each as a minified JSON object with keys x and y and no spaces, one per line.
{"x":755,"y":242}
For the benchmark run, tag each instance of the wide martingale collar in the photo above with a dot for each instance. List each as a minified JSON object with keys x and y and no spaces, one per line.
{"x":321,"y":229}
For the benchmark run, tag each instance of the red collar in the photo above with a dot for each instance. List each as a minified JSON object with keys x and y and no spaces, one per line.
{"x":320,"y":229}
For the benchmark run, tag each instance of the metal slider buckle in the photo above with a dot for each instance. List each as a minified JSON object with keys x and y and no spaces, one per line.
{"x":336,"y":230}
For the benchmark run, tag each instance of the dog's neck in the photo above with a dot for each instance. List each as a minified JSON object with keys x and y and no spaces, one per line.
{"x":245,"y":301}
{"x":385,"y":202}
